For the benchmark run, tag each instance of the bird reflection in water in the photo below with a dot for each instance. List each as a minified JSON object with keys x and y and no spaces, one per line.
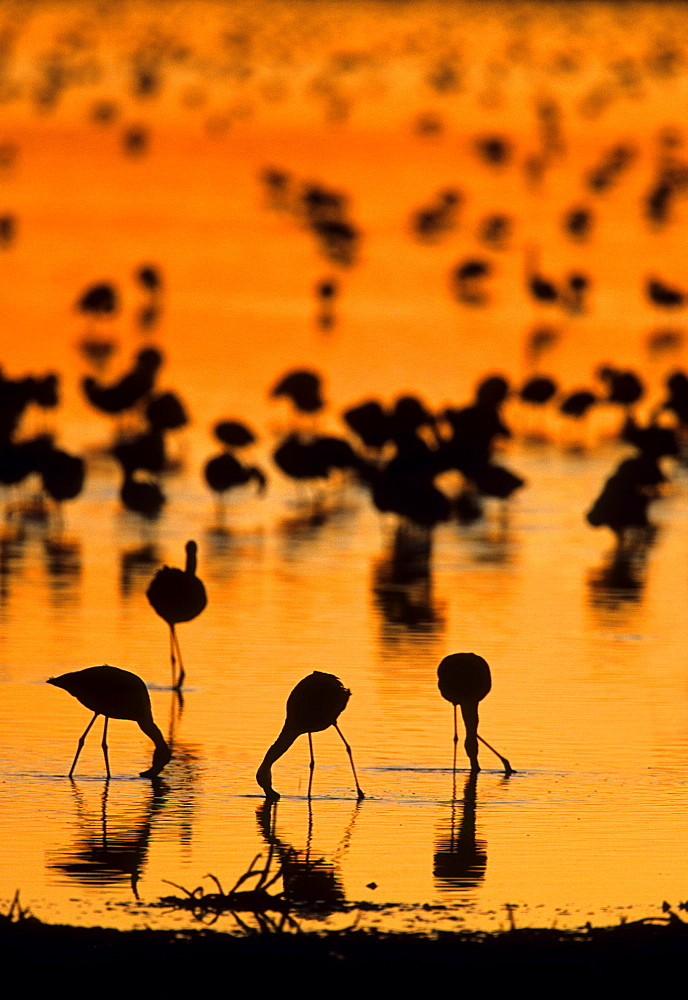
{"x":63,"y":566}
{"x":303,"y":528}
{"x":402,"y":585}
{"x":620,"y":580}
{"x":315,"y":521}
{"x":623,"y":505}
{"x":104,"y":851}
{"x":230,"y":555}
{"x":12,"y":559}
{"x":308,"y":880}
{"x":491,"y":541}
{"x":183,"y":774}
{"x":460,"y":859}
{"x":136,"y":566}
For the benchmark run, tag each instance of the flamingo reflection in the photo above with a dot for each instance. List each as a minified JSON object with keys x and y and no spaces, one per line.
{"x":460,"y":859}
{"x":306,"y":879}
{"x":104,"y":852}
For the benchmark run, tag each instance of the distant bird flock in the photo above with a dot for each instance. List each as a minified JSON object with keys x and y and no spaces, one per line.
{"x":418,"y":466}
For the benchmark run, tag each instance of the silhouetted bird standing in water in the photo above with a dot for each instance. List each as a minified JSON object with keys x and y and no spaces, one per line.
{"x":464,"y":679}
{"x":124,"y":394}
{"x":624,"y":387}
{"x":538,"y":391}
{"x":150,"y":279}
{"x":540,"y":288}
{"x":326,"y":294}
{"x":540,"y":340}
{"x":437,"y":217}
{"x":303,"y":388}
{"x":466,"y":281}
{"x":578,"y":223}
{"x":99,"y":300}
{"x":663,"y":295}
{"x":224,"y":472}
{"x":141,"y":496}
{"x":178,"y":595}
{"x":315,"y":704}
{"x":115,"y":694}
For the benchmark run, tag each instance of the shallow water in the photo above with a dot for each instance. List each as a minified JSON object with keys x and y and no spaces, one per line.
{"x":589,"y":698}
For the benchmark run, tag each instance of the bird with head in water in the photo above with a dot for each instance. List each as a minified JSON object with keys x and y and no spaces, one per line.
{"x":178,"y":595}
{"x":115,"y":694}
{"x":464,"y":679}
{"x":315,"y":704}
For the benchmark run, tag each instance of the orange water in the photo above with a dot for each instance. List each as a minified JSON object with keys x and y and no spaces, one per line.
{"x":589,"y":698}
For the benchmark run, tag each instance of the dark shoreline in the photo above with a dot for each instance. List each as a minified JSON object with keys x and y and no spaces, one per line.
{"x":631,"y":954}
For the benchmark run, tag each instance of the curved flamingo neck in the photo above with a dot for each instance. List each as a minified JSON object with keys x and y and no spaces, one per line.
{"x":162,"y":753}
{"x":191,"y":551}
{"x":278,"y":748}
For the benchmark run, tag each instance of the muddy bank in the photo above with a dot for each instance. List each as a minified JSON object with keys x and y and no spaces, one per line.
{"x":643,"y":952}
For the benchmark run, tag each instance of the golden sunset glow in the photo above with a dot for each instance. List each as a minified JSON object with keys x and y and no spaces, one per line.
{"x":473,"y":154}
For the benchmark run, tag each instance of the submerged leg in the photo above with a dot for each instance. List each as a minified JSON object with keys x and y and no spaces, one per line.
{"x":311,"y":765}
{"x":182,"y":675}
{"x":104,"y":746}
{"x":80,"y":744}
{"x":173,"y":659}
{"x":359,"y":793}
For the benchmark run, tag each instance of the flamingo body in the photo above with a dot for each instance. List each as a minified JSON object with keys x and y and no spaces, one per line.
{"x":315,"y":704}
{"x":464,"y":679}
{"x":178,"y":596}
{"x":115,"y":694}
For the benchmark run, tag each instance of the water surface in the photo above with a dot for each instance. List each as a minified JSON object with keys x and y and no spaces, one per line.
{"x":589,"y":696}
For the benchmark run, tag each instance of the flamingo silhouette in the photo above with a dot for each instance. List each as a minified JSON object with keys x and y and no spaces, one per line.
{"x":464,"y":679}
{"x":115,"y":694}
{"x":315,"y":704}
{"x":178,"y":596}
{"x":541,"y":288}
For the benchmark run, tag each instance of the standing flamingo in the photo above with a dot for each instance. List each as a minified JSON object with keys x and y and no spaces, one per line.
{"x":116,"y":694}
{"x":315,"y":704}
{"x":178,"y":596}
{"x":464,"y":679}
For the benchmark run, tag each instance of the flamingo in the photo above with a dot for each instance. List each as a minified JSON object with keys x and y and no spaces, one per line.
{"x":315,"y":704}
{"x":115,"y":694}
{"x":178,"y":596}
{"x":464,"y":679}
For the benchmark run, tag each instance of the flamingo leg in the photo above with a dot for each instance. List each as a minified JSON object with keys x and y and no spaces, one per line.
{"x":456,"y":742}
{"x":359,"y":792}
{"x":182,"y":675}
{"x":81,"y":742}
{"x":508,"y":769}
{"x":469,"y":711}
{"x":105,"y":750}
{"x":311,"y":766}
{"x":172,"y":657}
